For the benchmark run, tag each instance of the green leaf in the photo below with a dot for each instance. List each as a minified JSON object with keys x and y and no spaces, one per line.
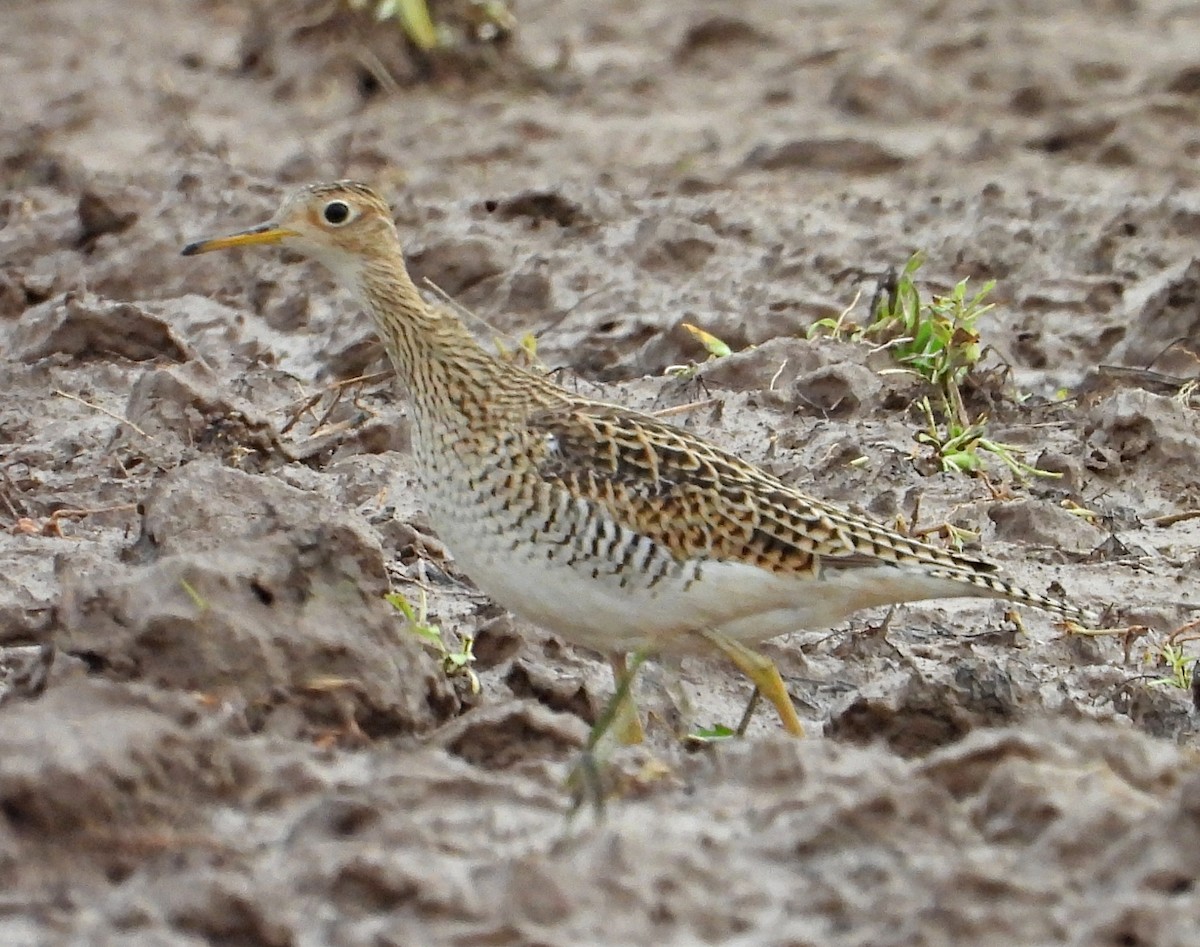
{"x":402,"y":605}
{"x":414,"y":14}
{"x":715,"y":347}
{"x":713,"y":734}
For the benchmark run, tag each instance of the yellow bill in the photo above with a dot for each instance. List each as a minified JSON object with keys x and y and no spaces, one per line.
{"x":255,"y":236}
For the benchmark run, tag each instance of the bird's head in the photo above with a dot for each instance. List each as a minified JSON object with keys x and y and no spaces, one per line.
{"x":343,"y":225}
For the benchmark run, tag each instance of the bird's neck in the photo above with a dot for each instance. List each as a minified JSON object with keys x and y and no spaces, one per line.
{"x":444,"y":370}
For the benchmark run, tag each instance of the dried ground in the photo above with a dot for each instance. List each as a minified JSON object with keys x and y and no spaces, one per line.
{"x":238,"y":743}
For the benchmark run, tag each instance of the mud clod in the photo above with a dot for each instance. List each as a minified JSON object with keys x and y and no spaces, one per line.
{"x":86,"y":327}
{"x":266,"y":597}
{"x":845,"y":155}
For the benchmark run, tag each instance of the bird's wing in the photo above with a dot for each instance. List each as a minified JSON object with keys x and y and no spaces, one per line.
{"x":701,"y":502}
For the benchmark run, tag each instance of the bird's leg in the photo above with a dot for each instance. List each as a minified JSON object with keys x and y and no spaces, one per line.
{"x":625,"y":719}
{"x":765,"y":675}
{"x":585,"y":780}
{"x":613,"y":710}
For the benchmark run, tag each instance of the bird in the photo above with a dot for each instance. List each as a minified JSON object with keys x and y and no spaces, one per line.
{"x":615,"y":530}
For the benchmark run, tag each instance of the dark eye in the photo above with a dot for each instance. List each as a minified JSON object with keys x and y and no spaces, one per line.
{"x":336,"y":212}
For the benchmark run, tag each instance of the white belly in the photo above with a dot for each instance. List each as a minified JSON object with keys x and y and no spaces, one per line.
{"x":570,"y":569}
{"x":740,"y":601}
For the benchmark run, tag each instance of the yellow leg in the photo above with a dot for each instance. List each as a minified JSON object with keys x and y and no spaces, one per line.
{"x":585,"y":780}
{"x":627,"y":723}
{"x":765,"y":675}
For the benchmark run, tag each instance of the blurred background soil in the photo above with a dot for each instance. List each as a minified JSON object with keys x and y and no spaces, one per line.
{"x":214,"y":730}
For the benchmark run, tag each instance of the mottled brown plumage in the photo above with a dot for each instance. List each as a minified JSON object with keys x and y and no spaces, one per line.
{"x":614,"y":529}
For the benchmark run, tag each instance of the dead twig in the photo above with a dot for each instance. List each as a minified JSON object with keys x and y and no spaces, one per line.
{"x":337,"y":387}
{"x":1127,"y":633}
{"x":1171,"y":519}
{"x":4,"y":494}
{"x":685,"y":408}
{"x":1144,"y":376}
{"x":105,"y":411}
{"x":52,"y":524}
{"x":1188,"y":631}
{"x":81,"y":513}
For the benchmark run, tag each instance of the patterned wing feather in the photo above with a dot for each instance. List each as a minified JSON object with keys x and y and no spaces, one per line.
{"x":701,"y":502}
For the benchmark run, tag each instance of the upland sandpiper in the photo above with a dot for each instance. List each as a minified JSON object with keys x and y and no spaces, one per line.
{"x":617,"y":531}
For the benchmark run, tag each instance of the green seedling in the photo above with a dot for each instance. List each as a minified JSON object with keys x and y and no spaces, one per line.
{"x":484,"y":21}
{"x":525,"y":351}
{"x":716,"y":348}
{"x":956,"y":446}
{"x":454,"y":662}
{"x":413,"y":16}
{"x":197,"y":599}
{"x":841,"y":329}
{"x":1181,"y":667}
{"x":937,"y":340}
{"x":706,"y":736}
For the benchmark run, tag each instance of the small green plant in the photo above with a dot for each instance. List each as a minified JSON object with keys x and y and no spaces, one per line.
{"x":937,"y":340}
{"x":478,"y":21}
{"x":956,"y":447}
{"x":197,"y":599}
{"x":524,"y":352}
{"x":1180,"y":666}
{"x":413,"y":16}
{"x":716,"y":348}
{"x":840,"y":329}
{"x":454,"y":663}
{"x":706,"y":736}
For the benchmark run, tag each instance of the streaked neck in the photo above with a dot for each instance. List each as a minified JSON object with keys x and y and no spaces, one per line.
{"x":436,"y":358}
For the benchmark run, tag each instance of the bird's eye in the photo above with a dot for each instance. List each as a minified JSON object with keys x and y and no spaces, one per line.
{"x":336,"y":212}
